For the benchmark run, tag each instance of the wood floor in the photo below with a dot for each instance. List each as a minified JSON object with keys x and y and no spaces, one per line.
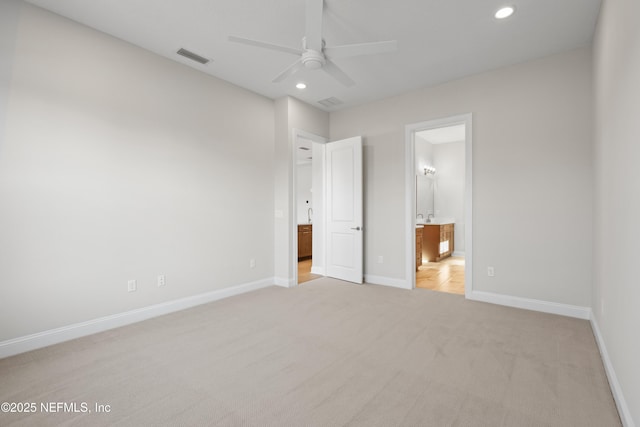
{"x":444,"y":276}
{"x":304,"y":271}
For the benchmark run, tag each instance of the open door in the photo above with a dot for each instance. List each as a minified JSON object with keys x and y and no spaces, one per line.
{"x":344,"y":209}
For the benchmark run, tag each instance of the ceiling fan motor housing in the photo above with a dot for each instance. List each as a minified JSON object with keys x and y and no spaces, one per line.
{"x":312,"y":59}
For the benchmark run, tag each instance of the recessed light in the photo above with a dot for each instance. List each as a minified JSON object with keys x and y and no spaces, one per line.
{"x":504,"y":12}
{"x":301,"y":86}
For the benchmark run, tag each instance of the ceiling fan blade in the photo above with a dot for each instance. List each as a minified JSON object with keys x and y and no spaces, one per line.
{"x":335,"y":72}
{"x":358,"y":49}
{"x":313,"y":25}
{"x":265,"y":45}
{"x":291,"y":70}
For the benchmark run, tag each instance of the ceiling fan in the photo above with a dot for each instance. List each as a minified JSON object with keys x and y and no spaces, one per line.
{"x":314,"y":54}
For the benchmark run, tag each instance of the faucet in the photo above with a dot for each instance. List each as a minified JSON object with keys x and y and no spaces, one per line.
{"x":309,"y":214}
{"x":429,"y":217}
{"x":420,"y":215}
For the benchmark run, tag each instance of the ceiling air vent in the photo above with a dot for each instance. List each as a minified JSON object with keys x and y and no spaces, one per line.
{"x":192,"y":56}
{"x":330,"y":102}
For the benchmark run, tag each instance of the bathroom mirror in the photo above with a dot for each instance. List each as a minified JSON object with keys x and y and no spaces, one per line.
{"x":425,"y":194}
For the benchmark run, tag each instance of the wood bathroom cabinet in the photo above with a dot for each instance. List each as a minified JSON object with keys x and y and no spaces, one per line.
{"x":437,"y":242}
{"x":305,"y":241}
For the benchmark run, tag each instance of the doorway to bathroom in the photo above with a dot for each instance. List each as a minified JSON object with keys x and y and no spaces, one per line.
{"x":439,"y":204}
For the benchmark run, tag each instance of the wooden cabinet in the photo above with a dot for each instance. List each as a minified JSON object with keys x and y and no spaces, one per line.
{"x":305,"y":241}
{"x":418,"y":247}
{"x":437,"y":241}
{"x":446,"y":235}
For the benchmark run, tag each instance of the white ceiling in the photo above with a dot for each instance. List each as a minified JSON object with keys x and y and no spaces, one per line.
{"x":438,"y":40}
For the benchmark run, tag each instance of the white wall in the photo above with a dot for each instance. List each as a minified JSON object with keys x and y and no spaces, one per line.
{"x":532,"y":182}
{"x":304,"y":195}
{"x":117,"y":164}
{"x":423,"y":153}
{"x":617,"y":207}
{"x":290,"y":114}
{"x":449,"y":187}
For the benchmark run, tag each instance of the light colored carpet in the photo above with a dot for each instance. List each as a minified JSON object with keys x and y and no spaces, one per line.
{"x":326,"y":353}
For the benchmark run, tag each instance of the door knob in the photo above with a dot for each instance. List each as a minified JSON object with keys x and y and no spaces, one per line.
{"x":355,"y":228}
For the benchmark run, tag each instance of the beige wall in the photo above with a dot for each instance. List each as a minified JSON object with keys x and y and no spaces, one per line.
{"x":117,"y":164}
{"x":617,"y":207}
{"x":10,"y":10}
{"x":532,"y":175}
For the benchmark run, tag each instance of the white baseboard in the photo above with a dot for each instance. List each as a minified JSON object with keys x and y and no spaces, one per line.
{"x":458,"y":253}
{"x":387,"y":281}
{"x":54,"y":336}
{"x":531,"y":304}
{"x":317,"y":270}
{"x":570,"y":311}
{"x":616,"y":390}
{"x":284,"y":282}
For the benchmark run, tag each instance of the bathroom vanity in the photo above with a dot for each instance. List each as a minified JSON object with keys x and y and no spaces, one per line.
{"x":305,"y":241}
{"x":437,"y":241}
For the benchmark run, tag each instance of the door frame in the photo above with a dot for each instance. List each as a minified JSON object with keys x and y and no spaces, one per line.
{"x":410,"y":195}
{"x":297,"y":134}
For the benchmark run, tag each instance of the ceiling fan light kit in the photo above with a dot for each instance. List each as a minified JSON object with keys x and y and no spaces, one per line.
{"x":505,"y":12}
{"x":314,"y":55}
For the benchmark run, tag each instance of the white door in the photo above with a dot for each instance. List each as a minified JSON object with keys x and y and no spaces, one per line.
{"x":344,"y":209}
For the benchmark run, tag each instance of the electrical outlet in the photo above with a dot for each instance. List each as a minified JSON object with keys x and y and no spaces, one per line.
{"x":252,"y":263}
{"x":490,"y":272}
{"x":380,"y":259}
{"x":161,"y":280}
{"x":131,"y":286}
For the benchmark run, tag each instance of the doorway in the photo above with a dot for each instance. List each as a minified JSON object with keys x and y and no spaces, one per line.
{"x":308,"y":199}
{"x":439,"y":204}
{"x":330,"y":212}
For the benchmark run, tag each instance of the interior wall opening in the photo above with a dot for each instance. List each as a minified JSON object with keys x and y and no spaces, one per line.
{"x":440,"y":174}
{"x":308,"y":206}
{"x":439,"y":183}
